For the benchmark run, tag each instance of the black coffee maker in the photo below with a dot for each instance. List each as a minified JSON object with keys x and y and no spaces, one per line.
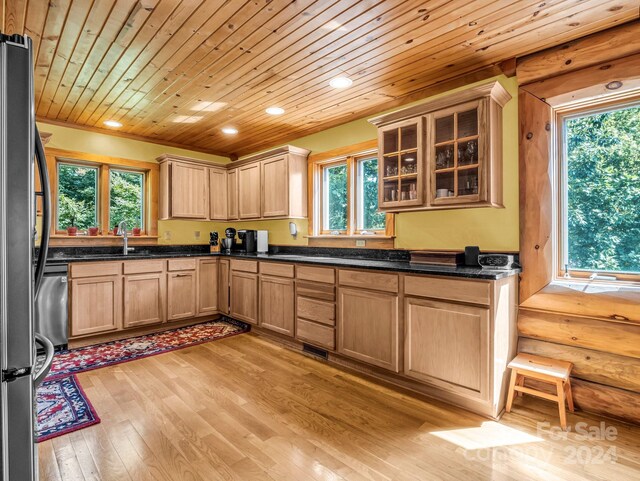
{"x":247,"y":241}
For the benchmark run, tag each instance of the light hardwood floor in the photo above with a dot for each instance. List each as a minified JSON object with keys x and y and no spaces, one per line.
{"x":246,"y":409}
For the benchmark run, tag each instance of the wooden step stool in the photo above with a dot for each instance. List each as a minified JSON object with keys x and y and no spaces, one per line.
{"x":546,"y":370}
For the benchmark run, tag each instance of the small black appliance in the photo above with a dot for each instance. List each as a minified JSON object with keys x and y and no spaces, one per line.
{"x":247,"y":241}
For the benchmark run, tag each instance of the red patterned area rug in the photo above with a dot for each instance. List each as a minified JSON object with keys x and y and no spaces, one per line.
{"x":115,"y":352}
{"x":62,"y":407}
{"x":61,"y":404}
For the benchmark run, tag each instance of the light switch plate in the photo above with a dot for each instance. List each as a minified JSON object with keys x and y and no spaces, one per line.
{"x":361,"y":243}
{"x":196,"y":234}
{"x":167,"y":235}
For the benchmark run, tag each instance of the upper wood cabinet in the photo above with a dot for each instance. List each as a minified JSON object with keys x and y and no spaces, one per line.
{"x":184,"y":189}
{"x":218,"y":194}
{"x":270,"y":185}
{"x":249,"y":191}
{"x":446,"y":153}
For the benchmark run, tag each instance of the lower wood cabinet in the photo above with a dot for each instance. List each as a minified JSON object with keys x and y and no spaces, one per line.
{"x":447,"y":344}
{"x":181,"y":295}
{"x":368,"y":327}
{"x":277,"y":304}
{"x":96,"y":305}
{"x":244,"y":296}
{"x":144,"y":299}
{"x":207,"y":286}
{"x":223,"y":286}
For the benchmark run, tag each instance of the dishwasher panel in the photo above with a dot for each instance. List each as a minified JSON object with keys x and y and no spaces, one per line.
{"x":52,"y":306}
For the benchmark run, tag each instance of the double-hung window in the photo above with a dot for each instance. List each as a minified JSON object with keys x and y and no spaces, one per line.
{"x":599,"y":192}
{"x":346,"y":197}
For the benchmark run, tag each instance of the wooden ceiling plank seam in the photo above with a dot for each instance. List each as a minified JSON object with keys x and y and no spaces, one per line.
{"x":112,"y":25}
{"x":158,"y":63}
{"x":34,"y":24}
{"x":140,"y":41}
{"x":168,"y":93}
{"x":100,"y":12}
{"x":293,"y":14}
{"x":400,"y":45}
{"x":14,"y":14}
{"x":330,"y":16}
{"x":267,"y":142}
{"x":244,"y":145}
{"x":300,"y":49}
{"x":312,"y":97}
{"x":70,"y":35}
{"x":126,"y":34}
{"x":49,"y":42}
{"x":172,"y":27}
{"x":581,"y":53}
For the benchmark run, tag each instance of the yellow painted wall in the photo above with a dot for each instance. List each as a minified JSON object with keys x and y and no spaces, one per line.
{"x":491,"y":229}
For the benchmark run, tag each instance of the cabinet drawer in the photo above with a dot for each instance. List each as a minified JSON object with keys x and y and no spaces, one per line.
{"x":276,"y":269}
{"x":143,"y":267}
{"x":316,"y":334}
{"x":319,"y":311}
{"x":182,"y":264}
{"x":96,"y":269}
{"x":316,"y":291}
{"x":377,"y":281}
{"x":475,"y":292}
{"x":316,"y":274}
{"x":245,"y":266}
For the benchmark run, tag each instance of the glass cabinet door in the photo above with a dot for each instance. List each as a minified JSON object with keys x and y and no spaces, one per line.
{"x":455,"y":154}
{"x":401,"y":160}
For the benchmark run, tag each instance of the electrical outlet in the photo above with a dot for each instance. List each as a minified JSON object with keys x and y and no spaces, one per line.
{"x":167,"y":235}
{"x":361,"y":243}
{"x":196,"y":235}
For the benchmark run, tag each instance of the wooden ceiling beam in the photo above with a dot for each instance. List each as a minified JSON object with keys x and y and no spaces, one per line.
{"x":599,"y":47}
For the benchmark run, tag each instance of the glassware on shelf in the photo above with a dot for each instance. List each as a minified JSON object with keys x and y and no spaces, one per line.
{"x":444,"y":157}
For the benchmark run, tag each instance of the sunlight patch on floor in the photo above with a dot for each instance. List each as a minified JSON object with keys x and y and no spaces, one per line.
{"x":489,"y":435}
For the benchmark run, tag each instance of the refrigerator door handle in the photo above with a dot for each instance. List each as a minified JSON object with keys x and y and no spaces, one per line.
{"x":46,"y":211}
{"x":39,"y":376}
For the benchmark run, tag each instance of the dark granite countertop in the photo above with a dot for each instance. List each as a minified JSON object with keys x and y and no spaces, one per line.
{"x":397,"y":261}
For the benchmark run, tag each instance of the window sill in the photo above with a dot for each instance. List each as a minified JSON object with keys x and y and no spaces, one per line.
{"x":353,"y":236}
{"x":352,"y":241}
{"x":60,"y":240}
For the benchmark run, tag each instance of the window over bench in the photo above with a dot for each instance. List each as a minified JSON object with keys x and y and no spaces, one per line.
{"x":599,"y":192}
{"x":344,"y":195}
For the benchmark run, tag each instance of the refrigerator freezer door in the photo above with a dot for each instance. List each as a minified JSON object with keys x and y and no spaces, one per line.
{"x":21,"y":458}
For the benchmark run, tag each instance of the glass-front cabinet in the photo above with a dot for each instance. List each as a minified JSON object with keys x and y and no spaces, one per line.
{"x":446,"y":153}
{"x":401,"y":164}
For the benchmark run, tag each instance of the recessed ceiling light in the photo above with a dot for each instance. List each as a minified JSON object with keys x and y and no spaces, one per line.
{"x":275,"y":111}
{"x":340,"y":82}
{"x":229,"y":130}
{"x":112,"y":123}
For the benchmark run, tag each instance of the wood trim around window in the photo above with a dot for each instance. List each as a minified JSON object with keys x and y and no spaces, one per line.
{"x":317,"y":236}
{"x":104,"y":163}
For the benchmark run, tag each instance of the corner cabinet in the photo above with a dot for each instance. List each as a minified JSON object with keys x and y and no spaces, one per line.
{"x":269,"y":185}
{"x":446,"y":153}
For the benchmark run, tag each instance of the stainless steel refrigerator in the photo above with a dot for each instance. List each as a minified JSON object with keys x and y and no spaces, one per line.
{"x":20,"y":268}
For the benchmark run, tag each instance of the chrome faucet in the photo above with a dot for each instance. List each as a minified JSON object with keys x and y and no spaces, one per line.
{"x":122,"y":230}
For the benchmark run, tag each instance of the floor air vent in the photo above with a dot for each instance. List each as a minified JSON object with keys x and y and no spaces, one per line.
{"x":314,"y":351}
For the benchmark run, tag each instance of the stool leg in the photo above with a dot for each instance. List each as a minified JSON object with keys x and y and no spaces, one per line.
{"x":567,"y":385}
{"x":561,"y":404}
{"x":512,"y":383}
{"x":520,"y":382}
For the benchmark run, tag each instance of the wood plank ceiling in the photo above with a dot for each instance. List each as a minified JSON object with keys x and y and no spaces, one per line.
{"x":177,"y":71}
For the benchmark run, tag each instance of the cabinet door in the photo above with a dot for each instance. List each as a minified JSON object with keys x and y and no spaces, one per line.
{"x":144,"y":299}
{"x":244,"y":296}
{"x":218,"y":194}
{"x":249,"y":191}
{"x":368,"y":327}
{"x":401,"y":165}
{"x":181,"y":295}
{"x":96,"y":305}
{"x":275,"y":187}
{"x":232,"y":191}
{"x":189,"y":191}
{"x":223,"y":286}
{"x":207,"y":286}
{"x":447,"y":344}
{"x":276,"y":304}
